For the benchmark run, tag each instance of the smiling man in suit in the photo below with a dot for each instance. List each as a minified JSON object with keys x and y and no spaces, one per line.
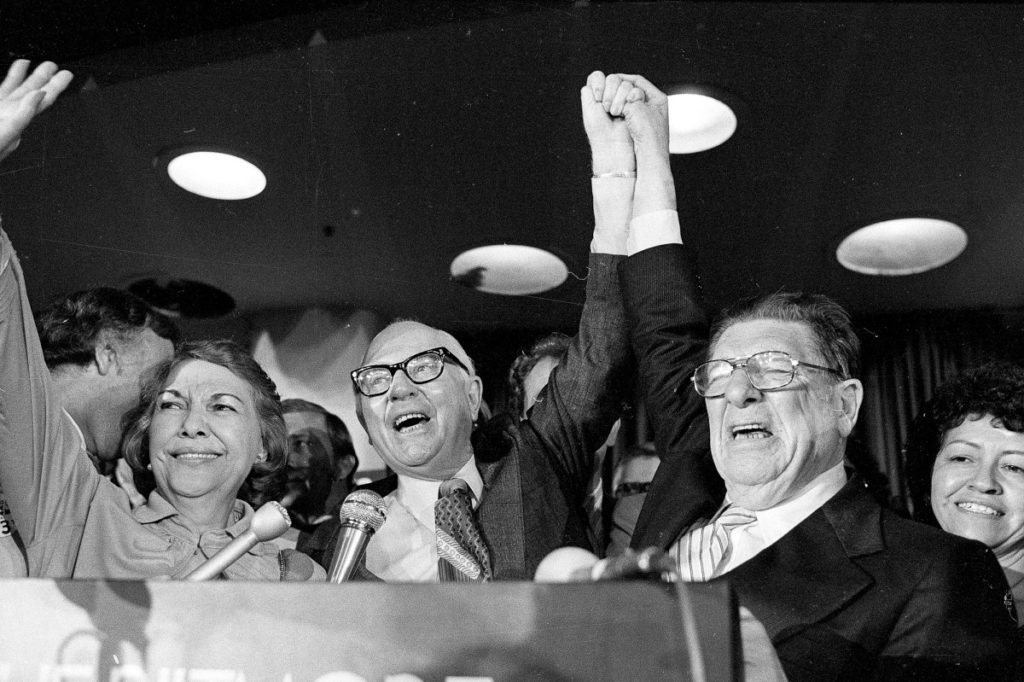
{"x":418,"y":397}
{"x":752,"y":430}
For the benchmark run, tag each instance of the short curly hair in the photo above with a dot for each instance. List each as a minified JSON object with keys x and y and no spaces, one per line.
{"x":995,"y":388}
{"x":266,"y":481}
{"x":70,"y":326}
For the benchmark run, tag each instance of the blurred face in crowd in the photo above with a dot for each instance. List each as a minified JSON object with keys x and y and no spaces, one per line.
{"x":205,"y":433}
{"x":421,"y":430}
{"x":308,"y":445}
{"x":769,"y":444}
{"x":310,"y":459}
{"x":535,"y":380}
{"x":978,"y":483}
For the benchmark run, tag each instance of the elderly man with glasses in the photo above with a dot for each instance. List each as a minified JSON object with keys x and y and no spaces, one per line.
{"x":473,"y":504}
{"x":846,"y":590}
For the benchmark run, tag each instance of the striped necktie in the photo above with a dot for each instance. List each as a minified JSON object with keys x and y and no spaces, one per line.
{"x":461,"y":552}
{"x":702,"y":550}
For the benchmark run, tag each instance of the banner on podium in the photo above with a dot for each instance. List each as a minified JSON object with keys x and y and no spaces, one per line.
{"x":110,"y":631}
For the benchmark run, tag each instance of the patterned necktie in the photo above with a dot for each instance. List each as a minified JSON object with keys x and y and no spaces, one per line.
{"x":702,"y":550}
{"x":461,"y":552}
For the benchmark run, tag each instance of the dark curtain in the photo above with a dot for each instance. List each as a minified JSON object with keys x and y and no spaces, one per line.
{"x":904,"y":359}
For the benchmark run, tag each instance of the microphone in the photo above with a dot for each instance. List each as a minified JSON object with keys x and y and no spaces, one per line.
{"x":565,"y":565}
{"x":573,"y":564}
{"x":270,"y":521}
{"x":362,"y":515}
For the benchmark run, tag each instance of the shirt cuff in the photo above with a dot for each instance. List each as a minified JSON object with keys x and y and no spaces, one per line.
{"x":656,"y":228}
{"x":613,"y":204}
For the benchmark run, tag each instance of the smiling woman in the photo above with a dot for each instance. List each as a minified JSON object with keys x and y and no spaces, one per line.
{"x":208,"y":424}
{"x":965,"y":464}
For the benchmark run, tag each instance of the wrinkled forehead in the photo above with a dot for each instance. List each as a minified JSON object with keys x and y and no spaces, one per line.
{"x":196,"y":378}
{"x":399,"y":340}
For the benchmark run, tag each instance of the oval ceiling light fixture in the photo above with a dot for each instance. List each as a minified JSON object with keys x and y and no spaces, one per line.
{"x":214,"y":173}
{"x":698,"y":121}
{"x":509,"y":269}
{"x":183,"y":297}
{"x":902,"y":246}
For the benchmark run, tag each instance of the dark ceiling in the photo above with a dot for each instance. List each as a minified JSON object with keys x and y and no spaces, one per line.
{"x":409,"y":131}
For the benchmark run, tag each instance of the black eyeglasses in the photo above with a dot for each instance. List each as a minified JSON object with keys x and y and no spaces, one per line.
{"x":768,"y":370}
{"x":420,"y":368}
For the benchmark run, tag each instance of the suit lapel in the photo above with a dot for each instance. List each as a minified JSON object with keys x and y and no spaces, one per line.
{"x":810,"y":574}
{"x":501,"y":516}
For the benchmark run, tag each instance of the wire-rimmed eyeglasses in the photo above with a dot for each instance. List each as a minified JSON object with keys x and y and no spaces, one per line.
{"x":421,"y":368}
{"x":768,"y":370}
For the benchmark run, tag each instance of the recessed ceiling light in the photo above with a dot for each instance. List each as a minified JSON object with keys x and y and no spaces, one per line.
{"x":904,"y":246}
{"x":215,"y":174}
{"x":697,"y":122}
{"x":510,"y":269}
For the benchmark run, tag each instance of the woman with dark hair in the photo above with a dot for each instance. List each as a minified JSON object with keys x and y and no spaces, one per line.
{"x":965,"y":464}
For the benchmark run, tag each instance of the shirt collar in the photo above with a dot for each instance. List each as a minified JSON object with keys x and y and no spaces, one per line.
{"x":419,"y":495}
{"x":157,"y":509}
{"x":776,"y":521}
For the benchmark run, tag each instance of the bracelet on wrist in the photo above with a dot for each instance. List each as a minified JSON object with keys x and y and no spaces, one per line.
{"x":615,"y":174}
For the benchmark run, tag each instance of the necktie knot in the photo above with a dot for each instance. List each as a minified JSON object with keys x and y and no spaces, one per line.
{"x":705,"y":548}
{"x":734,"y":517}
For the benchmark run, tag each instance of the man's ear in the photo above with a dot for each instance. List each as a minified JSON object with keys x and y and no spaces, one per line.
{"x":105,"y":357}
{"x":851,"y":395}
{"x":475,"y":393}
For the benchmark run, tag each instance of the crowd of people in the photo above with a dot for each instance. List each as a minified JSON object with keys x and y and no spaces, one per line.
{"x":128,"y":453}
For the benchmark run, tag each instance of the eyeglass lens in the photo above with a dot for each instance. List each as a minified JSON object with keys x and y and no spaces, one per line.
{"x":765,"y":370}
{"x":419,"y":368}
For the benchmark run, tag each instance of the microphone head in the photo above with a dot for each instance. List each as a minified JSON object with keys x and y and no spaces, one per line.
{"x":363,"y":506}
{"x":270,"y":521}
{"x":565,"y":565}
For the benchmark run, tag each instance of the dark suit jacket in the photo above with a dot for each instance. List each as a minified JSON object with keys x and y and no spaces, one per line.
{"x":535,"y":471}
{"x":854,"y":592}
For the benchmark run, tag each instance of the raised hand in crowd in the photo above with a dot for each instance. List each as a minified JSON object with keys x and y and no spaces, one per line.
{"x":23,"y":95}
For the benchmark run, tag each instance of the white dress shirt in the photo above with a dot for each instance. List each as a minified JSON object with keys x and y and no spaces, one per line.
{"x":772,"y":524}
{"x":405,"y":549}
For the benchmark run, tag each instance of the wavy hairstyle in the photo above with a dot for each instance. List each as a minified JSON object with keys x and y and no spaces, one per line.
{"x":71,"y":326}
{"x":266,"y":480}
{"x":995,"y":388}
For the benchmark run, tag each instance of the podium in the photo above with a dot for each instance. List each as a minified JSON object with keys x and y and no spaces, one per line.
{"x":111,"y":631}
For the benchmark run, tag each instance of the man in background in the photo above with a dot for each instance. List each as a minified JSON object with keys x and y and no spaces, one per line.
{"x":98,"y":343}
{"x":322,"y":463}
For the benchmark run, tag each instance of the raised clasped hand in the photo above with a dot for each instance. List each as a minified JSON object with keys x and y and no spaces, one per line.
{"x":603,"y":99}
